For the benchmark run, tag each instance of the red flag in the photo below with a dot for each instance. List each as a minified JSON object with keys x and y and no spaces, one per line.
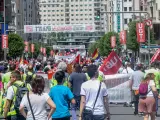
{"x":156,"y":56}
{"x":140,"y":28}
{"x":111,"y":64}
{"x":26,"y":46}
{"x":44,"y":51}
{"x":122,"y":37}
{"x":51,"y":52}
{"x":77,"y":59}
{"x":113,"y":41}
{"x":41,"y":49}
{"x":4,"y":41}
{"x":32,"y":48}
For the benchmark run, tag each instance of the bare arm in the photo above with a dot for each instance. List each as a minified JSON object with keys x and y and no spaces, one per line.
{"x":52,"y":105}
{"x":21,"y":109}
{"x":106,"y":105}
{"x":7,"y":107}
{"x":154,"y":90}
{"x":82,"y":105}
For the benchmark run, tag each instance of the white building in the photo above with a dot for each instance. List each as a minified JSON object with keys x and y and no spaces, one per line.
{"x":62,"y":12}
{"x":119,"y":22}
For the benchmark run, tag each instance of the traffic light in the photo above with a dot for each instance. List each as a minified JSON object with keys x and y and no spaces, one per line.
{"x":98,"y":14}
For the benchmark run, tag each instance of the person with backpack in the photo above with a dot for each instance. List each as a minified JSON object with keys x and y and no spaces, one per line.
{"x":36,"y":100}
{"x":14,"y":96}
{"x":29,"y":74}
{"x":147,"y":94}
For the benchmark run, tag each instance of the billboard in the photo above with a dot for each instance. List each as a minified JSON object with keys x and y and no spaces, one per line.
{"x":58,"y":28}
{"x":58,"y":47}
{"x":141,"y":36}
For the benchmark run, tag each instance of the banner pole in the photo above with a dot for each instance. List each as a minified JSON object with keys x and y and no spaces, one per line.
{"x":149,"y":44}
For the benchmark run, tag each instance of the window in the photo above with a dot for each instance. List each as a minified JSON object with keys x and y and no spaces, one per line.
{"x":52,"y":10}
{"x":72,"y":14}
{"x":62,"y":20}
{"x":125,"y":0}
{"x":48,"y":5}
{"x":49,"y":20}
{"x":48,"y":10}
{"x":90,"y":9}
{"x":57,"y":19}
{"x":81,"y":10}
{"x":81,"y":14}
{"x":130,"y":8}
{"x":76,"y":14}
{"x":57,"y":10}
{"x":125,"y":8}
{"x":76,"y":9}
{"x":130,"y":0}
{"x":44,"y":11}
{"x":125,"y":21}
{"x":44,"y":19}
{"x":52,"y":5}
{"x":71,"y":5}
{"x":61,"y":10}
{"x":53,"y":15}
{"x":44,"y":5}
{"x":141,"y":8}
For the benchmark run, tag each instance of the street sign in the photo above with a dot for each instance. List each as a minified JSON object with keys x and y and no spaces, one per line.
{"x":4,"y":41}
{"x":149,"y":23}
{"x":152,"y":46}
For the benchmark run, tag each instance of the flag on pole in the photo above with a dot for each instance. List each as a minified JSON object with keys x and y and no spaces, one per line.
{"x":156,"y":56}
{"x":95,"y":55}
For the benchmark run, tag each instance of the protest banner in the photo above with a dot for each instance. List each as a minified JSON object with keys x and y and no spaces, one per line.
{"x":111,"y":64}
{"x":118,"y":88}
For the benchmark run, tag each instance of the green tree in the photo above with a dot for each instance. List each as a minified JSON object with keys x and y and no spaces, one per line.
{"x":132,"y":43}
{"x":92,"y":48}
{"x":16,"y":45}
{"x":104,"y":44}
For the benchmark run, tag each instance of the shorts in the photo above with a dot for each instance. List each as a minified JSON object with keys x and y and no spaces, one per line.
{"x":147,"y":105}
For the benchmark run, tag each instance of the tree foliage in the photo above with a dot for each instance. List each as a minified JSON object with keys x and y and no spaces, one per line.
{"x":104,"y":44}
{"x":92,"y":48}
{"x":132,"y":36}
{"x":16,"y":45}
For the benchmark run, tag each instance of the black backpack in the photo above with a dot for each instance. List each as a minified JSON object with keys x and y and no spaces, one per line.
{"x":29,"y":78}
{"x":21,"y":91}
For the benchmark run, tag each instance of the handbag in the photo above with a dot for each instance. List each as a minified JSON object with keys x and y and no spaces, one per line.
{"x":30,"y":106}
{"x":88,"y":114}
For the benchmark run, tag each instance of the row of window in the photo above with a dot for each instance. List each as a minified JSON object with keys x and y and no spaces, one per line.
{"x":65,"y":10}
{"x":127,"y":8}
{"x":127,"y":0}
{"x":81,"y":5}
{"x":63,"y":19}
{"x":126,"y":21}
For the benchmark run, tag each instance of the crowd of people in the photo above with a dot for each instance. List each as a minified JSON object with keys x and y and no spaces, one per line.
{"x":72,"y":87}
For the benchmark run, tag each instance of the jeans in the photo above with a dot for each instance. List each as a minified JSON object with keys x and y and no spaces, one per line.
{"x":98,"y":117}
{"x":135,"y":102}
{"x":74,"y":107}
{"x":65,"y":118}
{"x":16,"y":117}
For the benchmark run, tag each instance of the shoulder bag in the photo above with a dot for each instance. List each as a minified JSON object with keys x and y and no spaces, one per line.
{"x":30,"y":106}
{"x":88,"y":114}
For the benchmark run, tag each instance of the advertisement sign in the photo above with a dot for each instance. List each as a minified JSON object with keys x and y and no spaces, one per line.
{"x":32,"y":48}
{"x":44,"y":51}
{"x":68,"y":47}
{"x":113,"y":41}
{"x":111,"y":64}
{"x":26,"y":46}
{"x":118,"y":87}
{"x":122,"y":37}
{"x":118,"y":16}
{"x":4,"y":41}
{"x":141,"y":36}
{"x":58,"y":28}
{"x":51,"y":52}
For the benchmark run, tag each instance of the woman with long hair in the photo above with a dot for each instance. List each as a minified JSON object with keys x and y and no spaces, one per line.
{"x":38,"y":100}
{"x":147,"y":103}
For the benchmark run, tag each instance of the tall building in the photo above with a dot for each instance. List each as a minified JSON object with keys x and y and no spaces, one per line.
{"x":62,"y":12}
{"x":119,"y":21}
{"x":24,"y":12}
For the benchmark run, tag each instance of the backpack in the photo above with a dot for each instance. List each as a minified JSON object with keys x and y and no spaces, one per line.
{"x":21,"y":91}
{"x":143,"y":89}
{"x":29,"y":78}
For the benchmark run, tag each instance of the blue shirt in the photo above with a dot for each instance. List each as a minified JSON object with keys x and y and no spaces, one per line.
{"x":60,"y":95}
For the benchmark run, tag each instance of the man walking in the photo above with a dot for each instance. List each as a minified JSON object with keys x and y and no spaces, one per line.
{"x":136,"y":78}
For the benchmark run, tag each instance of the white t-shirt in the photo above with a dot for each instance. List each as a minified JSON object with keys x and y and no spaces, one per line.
{"x":10,"y":93}
{"x":89,"y":89}
{"x":38,"y":104}
{"x":128,"y":70}
{"x":151,"y":83}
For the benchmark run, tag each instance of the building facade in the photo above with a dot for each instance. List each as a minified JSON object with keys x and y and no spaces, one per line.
{"x":24,"y":12}
{"x":62,"y":12}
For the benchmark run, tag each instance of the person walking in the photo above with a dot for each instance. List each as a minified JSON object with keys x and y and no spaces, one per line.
{"x":60,"y":94}
{"x":38,"y":101}
{"x":94,"y":98}
{"x":75,"y":81}
{"x":136,"y":78}
{"x":147,"y":102}
{"x":12,"y":102}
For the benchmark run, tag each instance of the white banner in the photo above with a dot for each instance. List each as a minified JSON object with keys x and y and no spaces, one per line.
{"x":60,"y":47}
{"x":58,"y":28}
{"x":68,"y":58}
{"x":118,"y":88}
